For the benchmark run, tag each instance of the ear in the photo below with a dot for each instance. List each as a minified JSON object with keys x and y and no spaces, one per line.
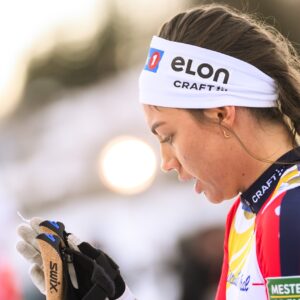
{"x":224,"y":115}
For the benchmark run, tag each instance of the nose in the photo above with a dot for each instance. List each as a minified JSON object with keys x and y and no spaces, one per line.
{"x":169,"y":165}
{"x":168,"y":161}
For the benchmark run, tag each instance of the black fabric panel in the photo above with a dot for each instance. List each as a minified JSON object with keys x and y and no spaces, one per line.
{"x":290,"y":233}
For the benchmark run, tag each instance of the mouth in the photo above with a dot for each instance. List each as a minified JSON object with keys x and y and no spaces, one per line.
{"x":198,"y":187}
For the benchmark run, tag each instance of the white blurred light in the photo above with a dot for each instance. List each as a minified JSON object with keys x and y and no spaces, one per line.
{"x":127,"y":165}
{"x":31,"y":28}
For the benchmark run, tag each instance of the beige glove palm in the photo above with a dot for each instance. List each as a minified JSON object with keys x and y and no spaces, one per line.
{"x":29,"y":249}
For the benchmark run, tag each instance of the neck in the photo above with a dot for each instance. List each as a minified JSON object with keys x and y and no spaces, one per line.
{"x":264,"y":147}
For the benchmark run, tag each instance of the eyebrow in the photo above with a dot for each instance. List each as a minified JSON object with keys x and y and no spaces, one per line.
{"x":156,"y":125}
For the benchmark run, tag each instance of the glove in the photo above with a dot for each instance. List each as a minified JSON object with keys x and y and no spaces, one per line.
{"x":70,"y":269}
{"x":28,"y":247}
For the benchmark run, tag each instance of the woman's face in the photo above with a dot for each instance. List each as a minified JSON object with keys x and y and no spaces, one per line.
{"x":195,"y":150}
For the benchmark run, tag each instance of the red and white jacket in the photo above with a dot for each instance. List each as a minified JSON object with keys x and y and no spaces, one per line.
{"x":262,"y":236}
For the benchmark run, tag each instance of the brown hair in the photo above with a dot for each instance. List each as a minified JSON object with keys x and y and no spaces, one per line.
{"x":224,"y":29}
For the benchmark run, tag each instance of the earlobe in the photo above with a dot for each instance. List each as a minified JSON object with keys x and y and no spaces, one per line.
{"x":226,"y":117}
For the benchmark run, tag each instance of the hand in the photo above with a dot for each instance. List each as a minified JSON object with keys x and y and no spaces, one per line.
{"x":28,"y":247}
{"x":89,"y":271}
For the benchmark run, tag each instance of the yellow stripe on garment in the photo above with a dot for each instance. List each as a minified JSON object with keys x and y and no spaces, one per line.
{"x":286,"y":182}
{"x":239,"y":247}
{"x":288,"y":178}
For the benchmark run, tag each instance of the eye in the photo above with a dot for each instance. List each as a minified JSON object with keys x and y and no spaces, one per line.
{"x":167,"y":139}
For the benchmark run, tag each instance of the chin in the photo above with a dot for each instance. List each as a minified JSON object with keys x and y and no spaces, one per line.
{"x":217,"y":198}
{"x":213,"y":198}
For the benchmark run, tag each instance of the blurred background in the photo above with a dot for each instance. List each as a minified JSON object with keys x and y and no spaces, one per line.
{"x":74,"y":146}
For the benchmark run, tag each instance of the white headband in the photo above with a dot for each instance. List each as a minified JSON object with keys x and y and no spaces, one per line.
{"x":186,"y":76}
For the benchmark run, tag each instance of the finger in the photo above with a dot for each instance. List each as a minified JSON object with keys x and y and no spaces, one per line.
{"x":38,"y":278}
{"x":35,"y":224}
{"x":73,"y":276}
{"x":73,"y":241}
{"x":28,"y":235}
{"x":29,"y":253}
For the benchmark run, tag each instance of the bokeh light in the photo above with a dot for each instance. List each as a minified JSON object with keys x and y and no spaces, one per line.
{"x":127,"y":165}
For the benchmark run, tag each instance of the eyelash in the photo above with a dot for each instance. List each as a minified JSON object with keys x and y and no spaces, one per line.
{"x":168,"y":140}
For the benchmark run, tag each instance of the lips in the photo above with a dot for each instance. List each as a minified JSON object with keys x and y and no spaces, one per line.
{"x":198,"y":187}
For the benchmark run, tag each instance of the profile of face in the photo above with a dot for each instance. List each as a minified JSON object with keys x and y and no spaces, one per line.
{"x":195,"y":150}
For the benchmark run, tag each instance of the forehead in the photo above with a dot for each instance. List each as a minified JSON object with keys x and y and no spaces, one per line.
{"x":153,"y":113}
{"x":168,"y":116}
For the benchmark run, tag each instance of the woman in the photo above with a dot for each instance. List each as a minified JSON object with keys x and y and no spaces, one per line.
{"x":221,"y":91}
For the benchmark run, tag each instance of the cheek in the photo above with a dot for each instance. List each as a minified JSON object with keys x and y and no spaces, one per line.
{"x":201,"y":153}
{"x":192,"y":156}
{"x":207,"y":163}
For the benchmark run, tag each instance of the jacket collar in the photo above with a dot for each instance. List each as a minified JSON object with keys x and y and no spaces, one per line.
{"x":257,"y":194}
